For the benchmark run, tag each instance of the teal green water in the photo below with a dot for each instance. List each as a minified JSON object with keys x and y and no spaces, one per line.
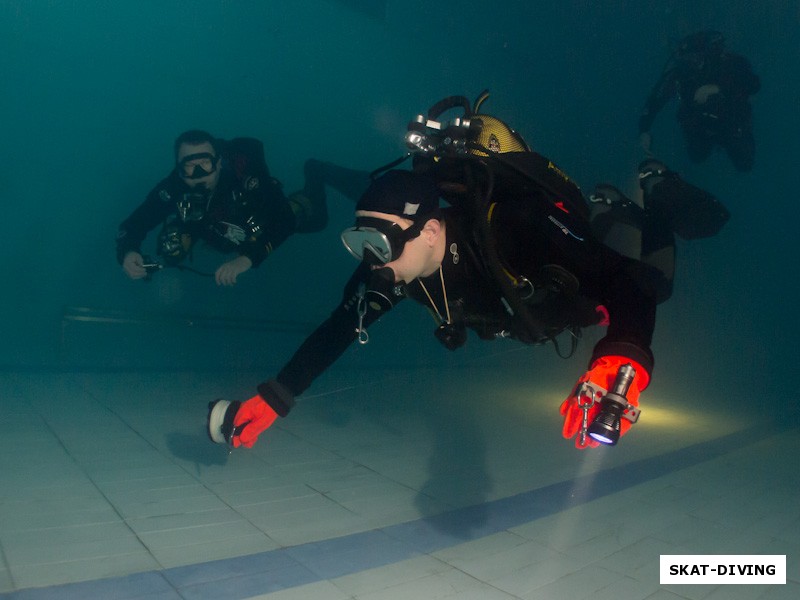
{"x":94,"y":93}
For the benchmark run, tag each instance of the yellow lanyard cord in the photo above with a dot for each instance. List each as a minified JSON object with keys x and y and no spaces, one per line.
{"x":444,"y":293}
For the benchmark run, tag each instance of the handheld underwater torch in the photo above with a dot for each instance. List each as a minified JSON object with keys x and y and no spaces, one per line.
{"x":613,"y":407}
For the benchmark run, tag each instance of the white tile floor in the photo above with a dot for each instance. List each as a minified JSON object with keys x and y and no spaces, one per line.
{"x":108,"y":475}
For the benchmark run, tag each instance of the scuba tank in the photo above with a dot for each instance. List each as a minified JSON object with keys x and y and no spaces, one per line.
{"x":476,"y":158}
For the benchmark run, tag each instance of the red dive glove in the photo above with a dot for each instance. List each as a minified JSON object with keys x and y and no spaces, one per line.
{"x":252,"y":419}
{"x":240,"y":423}
{"x":583,"y":405}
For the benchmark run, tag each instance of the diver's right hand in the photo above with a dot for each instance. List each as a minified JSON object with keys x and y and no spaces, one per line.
{"x":133,"y":265}
{"x":252,"y":419}
{"x":227,"y":273}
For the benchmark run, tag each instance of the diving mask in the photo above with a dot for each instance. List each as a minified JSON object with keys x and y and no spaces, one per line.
{"x":377,"y":241}
{"x":197,"y":166}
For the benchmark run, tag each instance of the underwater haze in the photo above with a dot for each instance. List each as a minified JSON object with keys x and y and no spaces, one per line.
{"x":105,"y":469}
{"x":95,"y":92}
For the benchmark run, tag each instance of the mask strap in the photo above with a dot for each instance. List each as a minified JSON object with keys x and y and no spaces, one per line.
{"x":412,"y":232}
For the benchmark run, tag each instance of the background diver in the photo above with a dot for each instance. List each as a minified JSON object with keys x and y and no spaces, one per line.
{"x":221,"y":192}
{"x":713,"y":87}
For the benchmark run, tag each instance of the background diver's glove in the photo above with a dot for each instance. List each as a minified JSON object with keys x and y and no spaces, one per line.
{"x":252,"y":419}
{"x":591,"y":387}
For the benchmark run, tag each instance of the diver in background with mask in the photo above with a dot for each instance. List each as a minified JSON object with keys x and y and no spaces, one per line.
{"x":221,"y":192}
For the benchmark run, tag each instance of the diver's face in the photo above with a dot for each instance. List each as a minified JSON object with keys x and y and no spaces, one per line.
{"x":198,"y":159}
{"x":421,"y":255}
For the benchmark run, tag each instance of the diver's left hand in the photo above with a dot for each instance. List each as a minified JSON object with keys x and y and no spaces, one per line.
{"x":591,"y":387}
{"x":228,"y":272}
{"x":251,"y":420}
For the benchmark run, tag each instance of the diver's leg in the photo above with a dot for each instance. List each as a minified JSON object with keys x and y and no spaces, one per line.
{"x":351,"y":183}
{"x":310,"y":204}
{"x":698,"y":140}
{"x":698,"y":145}
{"x":741,"y":148}
{"x":658,"y":252}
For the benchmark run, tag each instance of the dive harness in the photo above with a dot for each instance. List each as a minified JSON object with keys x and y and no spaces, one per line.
{"x":430,"y":138}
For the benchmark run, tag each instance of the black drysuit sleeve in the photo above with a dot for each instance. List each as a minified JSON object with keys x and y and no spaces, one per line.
{"x":330,"y":340}
{"x":157,"y":206}
{"x":664,"y":90}
{"x":632,"y":312}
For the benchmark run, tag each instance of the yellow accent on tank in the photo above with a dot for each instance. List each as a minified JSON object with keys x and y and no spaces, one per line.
{"x":561,"y":173}
{"x":497,"y":137}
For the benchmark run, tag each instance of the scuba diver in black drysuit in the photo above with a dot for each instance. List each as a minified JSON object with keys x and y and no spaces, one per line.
{"x":220,"y":191}
{"x":713,"y":87}
{"x":513,"y":256}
